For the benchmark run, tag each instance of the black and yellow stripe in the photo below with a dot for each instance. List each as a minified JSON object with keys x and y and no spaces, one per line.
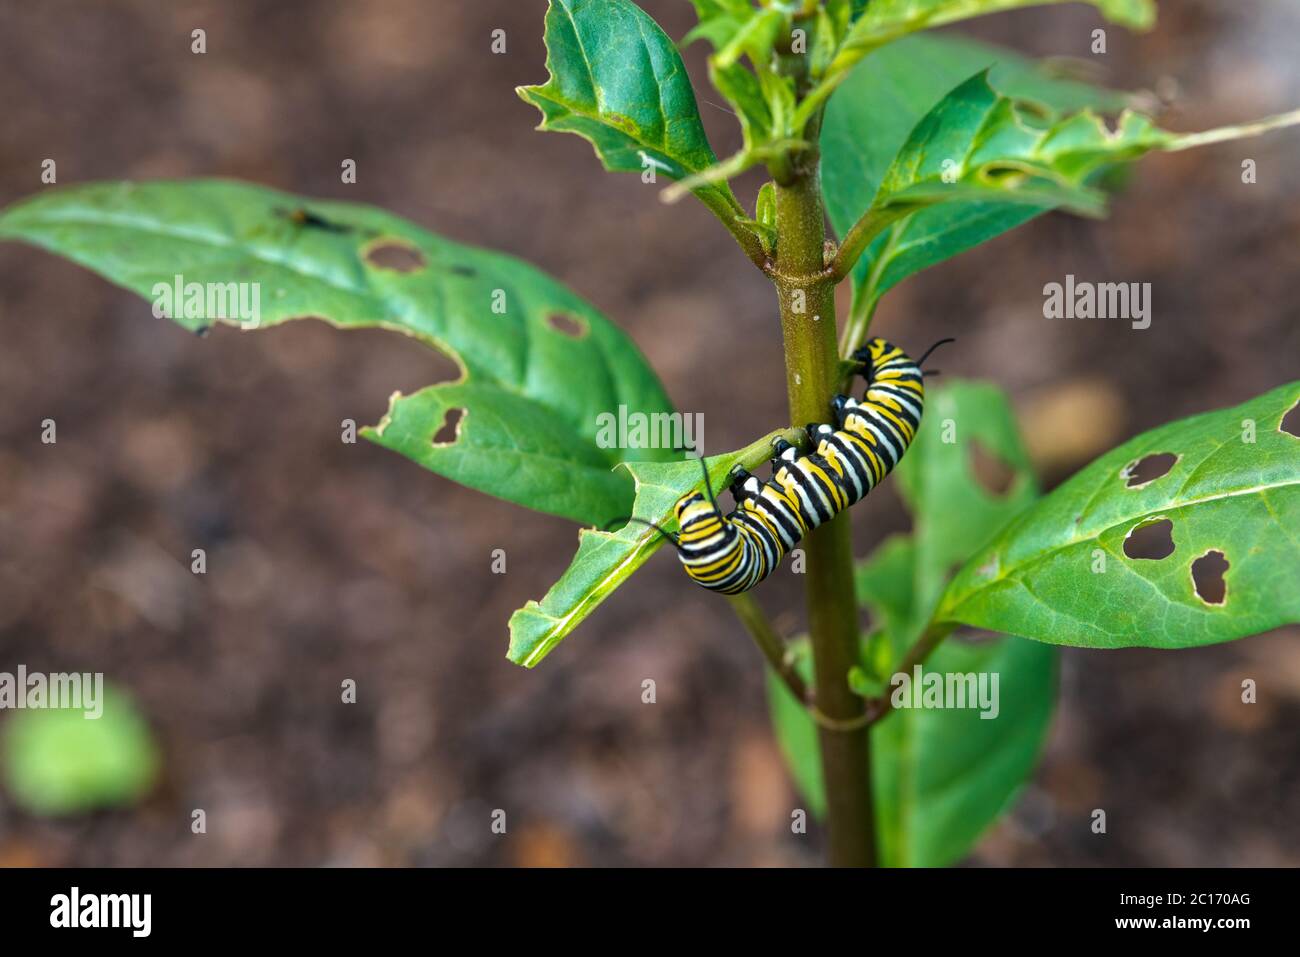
{"x":733,"y":553}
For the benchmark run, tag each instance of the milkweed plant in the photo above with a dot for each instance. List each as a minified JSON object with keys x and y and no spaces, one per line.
{"x":886,"y":150}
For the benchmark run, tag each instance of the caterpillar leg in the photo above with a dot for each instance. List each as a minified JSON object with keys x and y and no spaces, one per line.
{"x":744,"y":484}
{"x":840,"y":407}
{"x":783,"y":454}
{"x":817,"y":432}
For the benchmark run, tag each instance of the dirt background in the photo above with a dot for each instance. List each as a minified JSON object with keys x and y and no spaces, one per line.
{"x":329,"y":561}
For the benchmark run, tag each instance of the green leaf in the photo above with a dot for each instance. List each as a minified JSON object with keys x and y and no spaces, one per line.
{"x":1060,"y":572}
{"x":884,"y":21}
{"x":941,"y":776}
{"x":62,"y":761}
{"x":869,"y":122}
{"x":530,"y":429}
{"x":978,"y":146}
{"x":966,"y":425}
{"x":618,"y":82}
{"x":607,"y":559}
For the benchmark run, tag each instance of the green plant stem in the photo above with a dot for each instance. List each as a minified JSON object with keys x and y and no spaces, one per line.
{"x":807,"y":296}
{"x":770,"y":644}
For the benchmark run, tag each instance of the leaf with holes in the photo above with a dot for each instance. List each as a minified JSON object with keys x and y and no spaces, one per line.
{"x":607,"y":559}
{"x":943,"y":775}
{"x":869,"y":121}
{"x":618,"y":81}
{"x":528,"y":427}
{"x":885,"y":21}
{"x":1120,"y":556}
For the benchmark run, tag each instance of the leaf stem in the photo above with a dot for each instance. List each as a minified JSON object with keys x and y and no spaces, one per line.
{"x":930,"y":639}
{"x":731,"y":213}
{"x":873,"y":222}
{"x":807,"y":299}
{"x":770,"y":644}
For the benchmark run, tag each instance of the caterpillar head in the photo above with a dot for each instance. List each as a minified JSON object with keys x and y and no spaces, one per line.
{"x":873,"y":350}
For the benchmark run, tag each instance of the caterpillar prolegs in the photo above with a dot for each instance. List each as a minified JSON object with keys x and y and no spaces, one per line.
{"x":733,"y":553}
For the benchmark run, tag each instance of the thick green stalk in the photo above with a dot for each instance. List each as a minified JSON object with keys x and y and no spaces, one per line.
{"x":807,"y":294}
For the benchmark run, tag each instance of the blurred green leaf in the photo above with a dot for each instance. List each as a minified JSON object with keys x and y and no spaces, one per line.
{"x":966,"y":426}
{"x":1059,"y":573}
{"x":529,"y":430}
{"x":58,"y":761}
{"x":607,"y":559}
{"x":941,"y":776}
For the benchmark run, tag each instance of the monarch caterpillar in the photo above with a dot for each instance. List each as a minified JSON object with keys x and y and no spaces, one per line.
{"x":733,"y":553}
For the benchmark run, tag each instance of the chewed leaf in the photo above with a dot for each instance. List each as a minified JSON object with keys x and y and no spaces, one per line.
{"x":607,"y":559}
{"x":527,"y":429}
{"x":1205,"y":551}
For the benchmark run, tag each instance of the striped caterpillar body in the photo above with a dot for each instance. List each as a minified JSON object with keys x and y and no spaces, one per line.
{"x":733,"y":553}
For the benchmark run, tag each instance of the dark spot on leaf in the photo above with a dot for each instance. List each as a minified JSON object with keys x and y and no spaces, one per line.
{"x":202,"y":331}
{"x":621,"y":121}
{"x":306,"y":218}
{"x":394,"y":255}
{"x":450,"y":431}
{"x":974,"y":636}
{"x":567,"y":325}
{"x":469,"y":271}
{"x":990,"y":470}
{"x":1207,"y":577}
{"x":1148,"y":468}
{"x":1290,"y":423}
{"x":1151,"y":540}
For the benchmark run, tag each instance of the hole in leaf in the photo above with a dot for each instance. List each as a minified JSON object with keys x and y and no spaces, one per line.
{"x":990,"y":470}
{"x":450,"y":431}
{"x":1207,"y":577}
{"x":1148,"y":468}
{"x":394,"y":255}
{"x":1151,"y":540}
{"x":1290,"y":423}
{"x":567,"y":325}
